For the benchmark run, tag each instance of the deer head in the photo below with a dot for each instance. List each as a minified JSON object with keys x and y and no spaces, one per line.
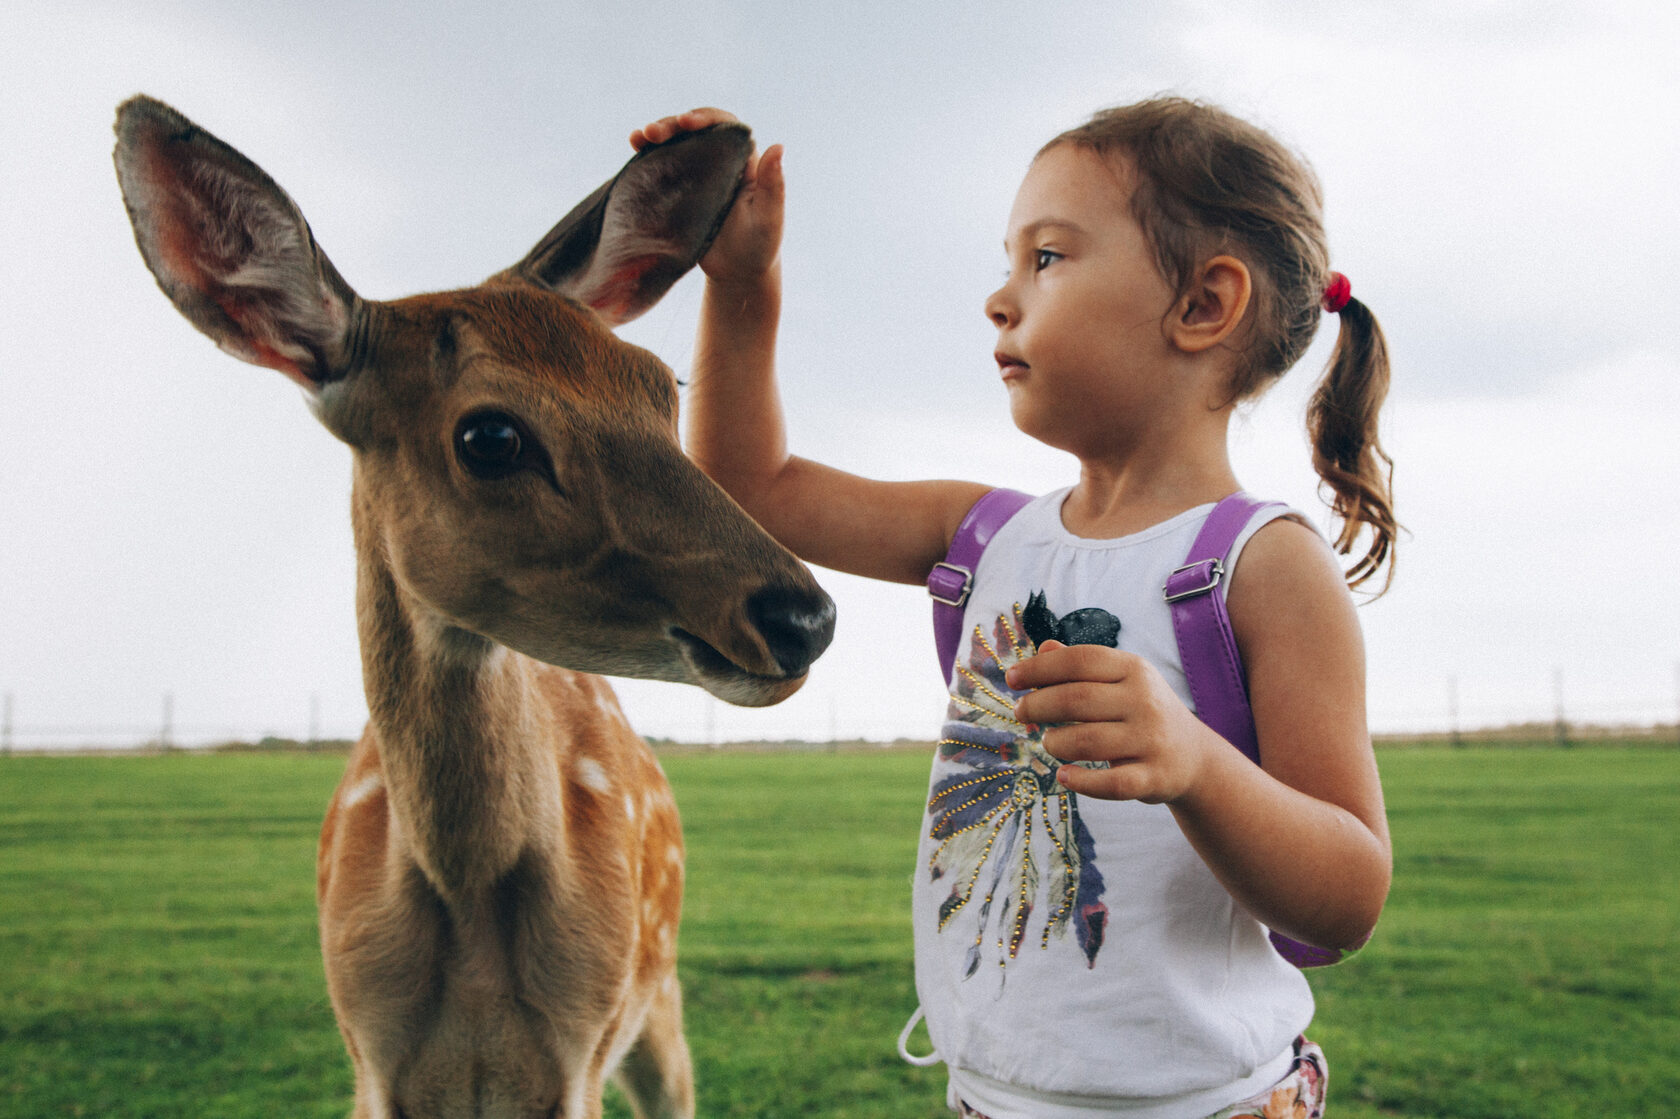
{"x":518,"y":475}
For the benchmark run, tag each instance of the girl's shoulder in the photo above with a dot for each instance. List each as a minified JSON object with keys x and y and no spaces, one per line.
{"x":1285,"y":559}
{"x":1294,"y":618}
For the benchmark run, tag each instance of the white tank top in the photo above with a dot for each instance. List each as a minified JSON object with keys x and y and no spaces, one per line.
{"x":1075,"y":957}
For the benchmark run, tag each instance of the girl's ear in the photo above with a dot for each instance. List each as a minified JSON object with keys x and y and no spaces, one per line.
{"x":1213,"y":307}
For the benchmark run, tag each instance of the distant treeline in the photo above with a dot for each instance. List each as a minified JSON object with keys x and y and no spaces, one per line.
{"x":1543,"y":735}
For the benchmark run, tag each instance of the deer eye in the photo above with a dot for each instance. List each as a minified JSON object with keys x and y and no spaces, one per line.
{"x":495,"y":445}
{"x":489,"y":445}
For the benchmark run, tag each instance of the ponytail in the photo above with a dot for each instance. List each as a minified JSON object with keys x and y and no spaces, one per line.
{"x":1342,"y":423}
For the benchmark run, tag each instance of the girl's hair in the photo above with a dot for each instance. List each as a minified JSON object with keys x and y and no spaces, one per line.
{"x":1204,"y":182}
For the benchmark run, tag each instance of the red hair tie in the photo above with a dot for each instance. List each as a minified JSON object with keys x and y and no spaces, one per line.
{"x":1337,"y":293}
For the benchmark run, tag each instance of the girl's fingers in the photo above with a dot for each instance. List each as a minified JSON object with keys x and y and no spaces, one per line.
{"x":1038,"y":669}
{"x":1087,"y":742}
{"x":705,"y":117}
{"x":1121,"y":781}
{"x":1055,"y":663}
{"x":763,"y":189}
{"x":768,"y":174}
{"x":656,"y":133}
{"x":1078,"y":702}
{"x":666,"y":127}
{"x":1104,"y":784}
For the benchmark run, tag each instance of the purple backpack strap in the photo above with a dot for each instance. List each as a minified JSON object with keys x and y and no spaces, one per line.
{"x":1212,"y":665}
{"x":952,"y":578}
{"x":1206,"y":645}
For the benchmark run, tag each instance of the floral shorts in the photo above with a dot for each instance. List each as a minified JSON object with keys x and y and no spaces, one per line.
{"x":1299,"y":1095}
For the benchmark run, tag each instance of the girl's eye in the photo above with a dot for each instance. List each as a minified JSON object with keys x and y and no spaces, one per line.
{"x":1043,"y":258}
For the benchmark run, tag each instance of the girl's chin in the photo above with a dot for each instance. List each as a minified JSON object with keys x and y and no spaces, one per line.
{"x":1044,"y":429}
{"x":1029,"y":419}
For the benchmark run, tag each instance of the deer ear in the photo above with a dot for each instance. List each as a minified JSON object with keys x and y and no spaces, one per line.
{"x":229,"y":248}
{"x":624,"y":246}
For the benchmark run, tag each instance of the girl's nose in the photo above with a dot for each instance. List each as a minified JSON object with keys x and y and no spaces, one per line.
{"x":1000,"y":308}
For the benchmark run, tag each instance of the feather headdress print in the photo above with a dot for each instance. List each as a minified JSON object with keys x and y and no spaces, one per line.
{"x":1004,"y":793}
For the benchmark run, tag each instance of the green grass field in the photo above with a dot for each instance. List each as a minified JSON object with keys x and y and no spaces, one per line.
{"x":159,"y":957}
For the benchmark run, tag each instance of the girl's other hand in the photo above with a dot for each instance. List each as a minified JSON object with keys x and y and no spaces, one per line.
{"x":749,"y":244}
{"x":1101,"y":704}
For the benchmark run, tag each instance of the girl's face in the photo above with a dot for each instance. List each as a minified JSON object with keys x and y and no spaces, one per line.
{"x":1081,"y":344}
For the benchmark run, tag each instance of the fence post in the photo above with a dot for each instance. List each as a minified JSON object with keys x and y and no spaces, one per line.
{"x":1454,"y":736}
{"x":1562,"y":725}
{"x":166,"y":733}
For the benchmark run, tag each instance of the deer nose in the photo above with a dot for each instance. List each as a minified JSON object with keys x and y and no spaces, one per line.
{"x":796,"y":625}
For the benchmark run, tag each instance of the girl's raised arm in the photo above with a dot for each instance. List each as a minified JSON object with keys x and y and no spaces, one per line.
{"x":735,"y":431}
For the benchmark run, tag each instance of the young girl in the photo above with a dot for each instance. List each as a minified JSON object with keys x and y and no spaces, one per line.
{"x":1167,"y":261}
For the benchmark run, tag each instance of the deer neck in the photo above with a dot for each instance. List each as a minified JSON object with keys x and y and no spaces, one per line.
{"x":466,"y":743}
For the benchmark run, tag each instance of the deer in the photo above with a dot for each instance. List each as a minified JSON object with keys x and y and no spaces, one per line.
{"x":500,"y":870}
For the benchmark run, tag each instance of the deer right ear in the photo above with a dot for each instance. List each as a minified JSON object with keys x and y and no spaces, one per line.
{"x":229,"y":248}
{"x":623,"y":247}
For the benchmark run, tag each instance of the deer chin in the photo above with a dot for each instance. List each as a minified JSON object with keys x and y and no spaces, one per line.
{"x":722,"y":677}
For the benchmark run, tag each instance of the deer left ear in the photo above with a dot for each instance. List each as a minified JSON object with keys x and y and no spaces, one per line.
{"x":623,"y":247}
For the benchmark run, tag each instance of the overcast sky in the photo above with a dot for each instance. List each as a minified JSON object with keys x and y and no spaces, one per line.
{"x":1500,"y":185}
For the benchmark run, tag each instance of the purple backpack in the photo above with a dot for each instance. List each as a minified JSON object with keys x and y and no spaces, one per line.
{"x":1206,"y":645}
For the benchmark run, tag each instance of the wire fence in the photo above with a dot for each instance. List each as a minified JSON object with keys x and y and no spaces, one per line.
{"x":20,"y":734}
{"x":699,"y":719}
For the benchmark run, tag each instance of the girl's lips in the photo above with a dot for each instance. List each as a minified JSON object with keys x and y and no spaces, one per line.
{"x":1009,"y":365}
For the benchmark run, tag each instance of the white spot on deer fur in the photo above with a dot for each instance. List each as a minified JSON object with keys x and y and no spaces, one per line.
{"x":629,"y":806}
{"x":362,"y":789}
{"x":378,"y":1105}
{"x":593,"y":776}
{"x":609,"y":706}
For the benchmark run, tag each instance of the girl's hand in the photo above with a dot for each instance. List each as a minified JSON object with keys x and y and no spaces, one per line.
{"x":1105,"y":705}
{"x":750,"y":242}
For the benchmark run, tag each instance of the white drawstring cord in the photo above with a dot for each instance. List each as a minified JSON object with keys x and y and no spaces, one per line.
{"x":932,"y":1058}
